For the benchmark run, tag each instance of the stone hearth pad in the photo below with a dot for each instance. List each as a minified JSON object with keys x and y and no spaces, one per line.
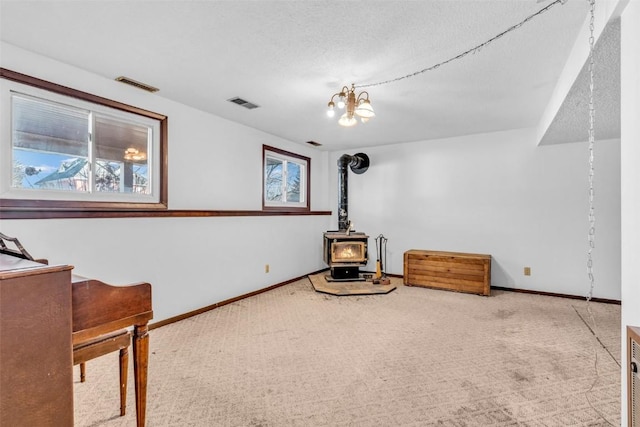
{"x":320,"y":284}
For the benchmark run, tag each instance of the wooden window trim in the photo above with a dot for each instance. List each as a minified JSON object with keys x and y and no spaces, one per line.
{"x":45,"y":205}
{"x":306,"y":208}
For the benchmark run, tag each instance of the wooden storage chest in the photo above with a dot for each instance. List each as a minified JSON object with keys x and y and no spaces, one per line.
{"x":454,"y":271}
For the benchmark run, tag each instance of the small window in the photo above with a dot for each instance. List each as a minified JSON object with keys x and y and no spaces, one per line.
{"x":285,"y":180}
{"x":64,"y":149}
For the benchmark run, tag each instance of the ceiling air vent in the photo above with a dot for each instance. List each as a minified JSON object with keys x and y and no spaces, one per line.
{"x":137,"y":84}
{"x":243,"y":103}
{"x":315,"y":144}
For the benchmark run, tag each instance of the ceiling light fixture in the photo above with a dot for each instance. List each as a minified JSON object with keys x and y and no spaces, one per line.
{"x":133,"y":154}
{"x":355,"y":106}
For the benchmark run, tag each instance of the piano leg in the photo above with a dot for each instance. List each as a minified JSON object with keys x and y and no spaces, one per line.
{"x":140,"y":364}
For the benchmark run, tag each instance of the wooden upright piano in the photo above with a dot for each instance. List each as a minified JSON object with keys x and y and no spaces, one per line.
{"x":36,"y":382}
{"x":45,"y":312}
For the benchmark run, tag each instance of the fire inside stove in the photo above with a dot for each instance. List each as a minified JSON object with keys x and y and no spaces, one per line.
{"x":345,"y":253}
{"x":348,"y":252}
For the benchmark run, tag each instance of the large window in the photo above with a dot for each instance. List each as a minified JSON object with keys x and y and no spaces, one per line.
{"x":61,"y":148}
{"x":285,"y":180}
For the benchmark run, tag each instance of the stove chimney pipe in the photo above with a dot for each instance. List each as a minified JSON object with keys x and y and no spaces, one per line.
{"x":359,"y":163}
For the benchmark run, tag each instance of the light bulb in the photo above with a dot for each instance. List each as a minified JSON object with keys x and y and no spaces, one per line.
{"x":347,"y":121}
{"x":331,"y":112}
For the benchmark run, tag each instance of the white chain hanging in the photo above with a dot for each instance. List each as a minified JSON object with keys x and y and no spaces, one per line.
{"x":592,"y":217}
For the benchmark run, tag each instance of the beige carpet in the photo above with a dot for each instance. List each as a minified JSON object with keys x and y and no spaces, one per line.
{"x":413,"y":357}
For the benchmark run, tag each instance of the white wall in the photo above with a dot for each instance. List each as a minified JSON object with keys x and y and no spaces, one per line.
{"x":498,"y":194}
{"x":191,"y":262}
{"x":630,"y":179}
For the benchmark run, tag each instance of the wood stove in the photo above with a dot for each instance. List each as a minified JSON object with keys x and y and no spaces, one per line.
{"x":344,"y":252}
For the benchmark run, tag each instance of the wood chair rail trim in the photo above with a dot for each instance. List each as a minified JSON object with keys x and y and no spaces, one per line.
{"x":9,"y":213}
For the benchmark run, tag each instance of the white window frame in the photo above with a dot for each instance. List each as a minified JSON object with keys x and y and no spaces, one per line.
{"x":305,"y":168}
{"x":52,"y":198}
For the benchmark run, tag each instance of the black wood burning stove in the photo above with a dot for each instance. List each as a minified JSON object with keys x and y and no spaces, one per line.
{"x":344,"y":253}
{"x":344,"y":250}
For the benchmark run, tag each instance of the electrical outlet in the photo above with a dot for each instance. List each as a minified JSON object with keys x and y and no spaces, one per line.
{"x":266,"y":268}
{"x":527,"y":271}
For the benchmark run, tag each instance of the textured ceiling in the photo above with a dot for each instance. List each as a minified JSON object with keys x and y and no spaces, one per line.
{"x":289,"y":57}
{"x":571,"y":123}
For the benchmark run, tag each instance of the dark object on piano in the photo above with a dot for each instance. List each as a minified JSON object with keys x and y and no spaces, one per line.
{"x":19,"y":250}
{"x":100,"y":312}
